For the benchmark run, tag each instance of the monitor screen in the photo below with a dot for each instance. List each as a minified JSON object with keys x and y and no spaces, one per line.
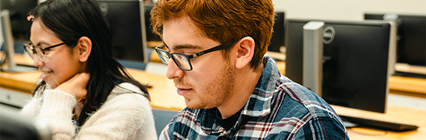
{"x":411,"y":44}
{"x":127,"y":24}
{"x":19,"y":10}
{"x":355,"y":62}
{"x":15,"y":126}
{"x":150,"y":35}
{"x":277,"y":39}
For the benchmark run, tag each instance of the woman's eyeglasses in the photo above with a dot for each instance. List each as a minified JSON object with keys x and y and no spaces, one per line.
{"x":38,"y":51}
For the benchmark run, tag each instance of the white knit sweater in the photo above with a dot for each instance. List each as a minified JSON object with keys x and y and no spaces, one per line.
{"x":123,"y":116}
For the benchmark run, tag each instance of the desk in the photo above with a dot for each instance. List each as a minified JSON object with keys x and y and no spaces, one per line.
{"x":163,"y":96}
{"x":393,"y":114}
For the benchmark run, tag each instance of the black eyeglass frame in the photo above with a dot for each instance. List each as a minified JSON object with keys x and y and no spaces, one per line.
{"x":43,"y":50}
{"x":189,"y":57}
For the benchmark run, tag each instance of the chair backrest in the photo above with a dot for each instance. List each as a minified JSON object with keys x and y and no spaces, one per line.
{"x":162,"y":118}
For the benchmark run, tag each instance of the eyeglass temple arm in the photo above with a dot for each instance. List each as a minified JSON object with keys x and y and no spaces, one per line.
{"x":220,"y":47}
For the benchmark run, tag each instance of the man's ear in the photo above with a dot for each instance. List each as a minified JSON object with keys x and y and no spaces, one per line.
{"x":84,"y":48}
{"x":245,"y":52}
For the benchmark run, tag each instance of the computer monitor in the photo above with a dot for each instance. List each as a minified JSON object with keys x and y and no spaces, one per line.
{"x":411,"y":44}
{"x":277,"y":39}
{"x":126,"y":20}
{"x":9,"y":46}
{"x":19,"y":10}
{"x":150,"y":35}
{"x":355,"y":61}
{"x":15,"y":126}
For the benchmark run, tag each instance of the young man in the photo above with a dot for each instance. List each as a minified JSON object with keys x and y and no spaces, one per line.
{"x":215,"y":55}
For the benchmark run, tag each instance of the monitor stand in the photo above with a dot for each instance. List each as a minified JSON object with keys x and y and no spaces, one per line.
{"x":393,"y":20}
{"x":9,"y":47}
{"x":312,"y":56}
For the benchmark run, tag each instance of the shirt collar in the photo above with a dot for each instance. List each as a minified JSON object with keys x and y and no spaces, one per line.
{"x":259,"y":103}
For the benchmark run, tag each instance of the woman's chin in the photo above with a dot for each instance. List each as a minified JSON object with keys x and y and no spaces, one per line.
{"x":51,"y":85}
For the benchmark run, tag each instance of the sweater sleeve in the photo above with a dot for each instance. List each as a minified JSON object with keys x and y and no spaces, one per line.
{"x":33,"y":107}
{"x":57,"y":108}
{"x":126,"y":116}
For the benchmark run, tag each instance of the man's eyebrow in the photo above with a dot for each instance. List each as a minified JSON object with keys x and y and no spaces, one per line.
{"x":184,"y":46}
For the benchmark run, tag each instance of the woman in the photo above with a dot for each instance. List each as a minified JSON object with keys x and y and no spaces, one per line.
{"x":84,"y":92}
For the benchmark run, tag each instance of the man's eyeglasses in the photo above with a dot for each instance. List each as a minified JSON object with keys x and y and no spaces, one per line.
{"x":182,"y":60}
{"x":40,"y":52}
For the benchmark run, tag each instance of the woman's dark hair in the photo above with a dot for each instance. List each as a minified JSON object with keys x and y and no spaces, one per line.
{"x":72,"y":19}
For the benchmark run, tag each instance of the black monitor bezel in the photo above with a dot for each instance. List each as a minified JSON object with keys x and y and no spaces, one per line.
{"x":19,"y":10}
{"x":128,"y":41}
{"x":411,"y":30}
{"x":294,"y":64}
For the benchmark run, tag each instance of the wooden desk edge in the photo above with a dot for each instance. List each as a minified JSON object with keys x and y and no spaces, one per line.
{"x":415,"y":85}
{"x":17,"y":85}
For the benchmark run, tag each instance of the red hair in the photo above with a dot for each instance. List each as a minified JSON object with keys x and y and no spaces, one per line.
{"x":222,"y":20}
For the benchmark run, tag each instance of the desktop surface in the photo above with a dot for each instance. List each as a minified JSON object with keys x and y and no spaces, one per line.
{"x":394,"y":114}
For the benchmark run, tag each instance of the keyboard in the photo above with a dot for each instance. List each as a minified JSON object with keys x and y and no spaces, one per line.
{"x":407,"y":74}
{"x":399,"y":127}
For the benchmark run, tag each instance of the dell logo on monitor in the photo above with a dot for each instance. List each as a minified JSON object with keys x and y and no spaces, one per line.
{"x":328,"y":34}
{"x":104,"y":8}
{"x":12,"y":2}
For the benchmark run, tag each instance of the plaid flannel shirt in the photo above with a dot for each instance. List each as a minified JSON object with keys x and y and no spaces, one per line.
{"x":278,"y":109}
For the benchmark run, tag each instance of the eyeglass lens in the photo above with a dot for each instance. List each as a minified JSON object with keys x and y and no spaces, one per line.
{"x":32,"y":51}
{"x":180,"y":60}
{"x":164,"y":57}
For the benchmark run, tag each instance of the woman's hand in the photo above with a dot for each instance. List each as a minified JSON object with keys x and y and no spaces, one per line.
{"x":76,"y":85}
